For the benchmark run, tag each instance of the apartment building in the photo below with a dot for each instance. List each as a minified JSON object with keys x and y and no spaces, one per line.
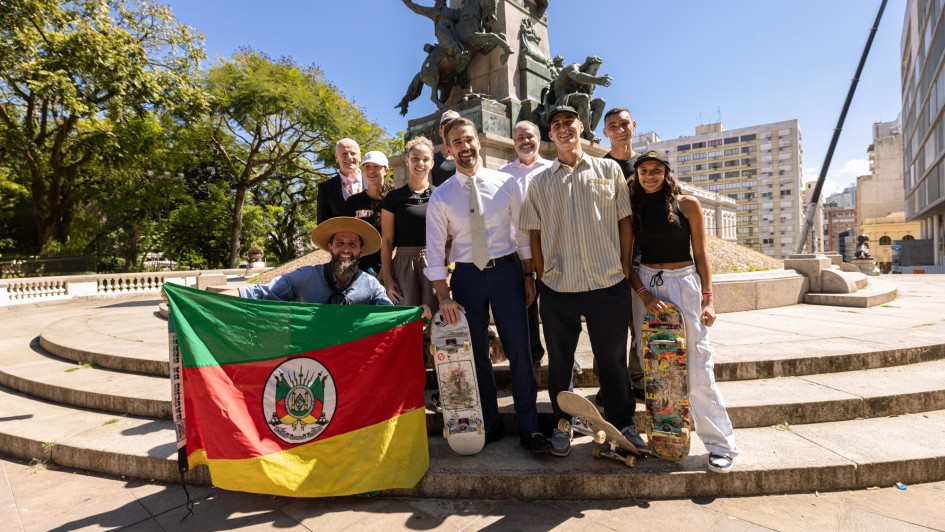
{"x":923,"y":122}
{"x":758,"y":166}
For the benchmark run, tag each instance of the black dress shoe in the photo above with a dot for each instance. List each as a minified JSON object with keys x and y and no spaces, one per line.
{"x":493,"y":436}
{"x":535,"y":442}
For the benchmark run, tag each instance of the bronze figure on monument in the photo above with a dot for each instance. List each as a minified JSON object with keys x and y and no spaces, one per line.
{"x":460,"y":34}
{"x":574,"y":86}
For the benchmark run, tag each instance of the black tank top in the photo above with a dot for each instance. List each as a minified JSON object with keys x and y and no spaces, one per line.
{"x":662,"y":241}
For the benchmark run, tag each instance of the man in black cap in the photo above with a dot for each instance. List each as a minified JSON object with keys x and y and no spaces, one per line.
{"x":577,"y":213}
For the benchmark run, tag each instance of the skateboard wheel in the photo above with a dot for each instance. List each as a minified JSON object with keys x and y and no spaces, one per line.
{"x":630,"y":461}
{"x":596,"y":452}
{"x":564,"y":425}
{"x":446,"y":432}
{"x":600,"y":437}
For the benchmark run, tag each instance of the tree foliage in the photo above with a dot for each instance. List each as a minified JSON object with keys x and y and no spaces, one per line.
{"x":72,"y":74}
{"x":274,"y":121}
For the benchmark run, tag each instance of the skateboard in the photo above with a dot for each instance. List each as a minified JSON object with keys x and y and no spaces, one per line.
{"x":458,"y":399}
{"x":609,"y":442}
{"x":666,"y":378}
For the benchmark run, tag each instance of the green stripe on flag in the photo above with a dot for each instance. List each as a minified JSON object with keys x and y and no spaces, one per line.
{"x":219,"y":329}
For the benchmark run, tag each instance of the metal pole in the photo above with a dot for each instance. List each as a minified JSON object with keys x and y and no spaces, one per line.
{"x":815,"y":195}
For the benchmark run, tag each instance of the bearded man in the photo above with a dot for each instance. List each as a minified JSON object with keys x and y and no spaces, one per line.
{"x":340,"y":281}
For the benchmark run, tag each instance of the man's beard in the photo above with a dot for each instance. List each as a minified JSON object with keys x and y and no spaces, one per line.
{"x":344,"y":267}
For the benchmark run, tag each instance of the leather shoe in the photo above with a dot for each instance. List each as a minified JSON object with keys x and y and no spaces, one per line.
{"x":535,"y":442}
{"x":493,"y":436}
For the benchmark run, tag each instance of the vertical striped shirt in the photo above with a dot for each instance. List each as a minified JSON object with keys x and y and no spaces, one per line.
{"x":576,"y":210}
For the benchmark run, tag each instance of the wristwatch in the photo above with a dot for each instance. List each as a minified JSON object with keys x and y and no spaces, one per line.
{"x":530,"y":274}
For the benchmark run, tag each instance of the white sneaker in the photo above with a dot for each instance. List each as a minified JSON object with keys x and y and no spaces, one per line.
{"x":720,"y":463}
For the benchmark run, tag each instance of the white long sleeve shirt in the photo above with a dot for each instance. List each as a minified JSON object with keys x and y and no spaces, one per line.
{"x":448,"y":214}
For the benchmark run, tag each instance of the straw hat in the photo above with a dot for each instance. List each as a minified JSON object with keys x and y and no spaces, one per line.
{"x":323,"y":232}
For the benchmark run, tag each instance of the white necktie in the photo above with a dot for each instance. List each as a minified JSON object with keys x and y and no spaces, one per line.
{"x":477,"y":223}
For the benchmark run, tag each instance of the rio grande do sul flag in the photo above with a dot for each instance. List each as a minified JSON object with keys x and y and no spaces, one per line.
{"x":296,"y":399}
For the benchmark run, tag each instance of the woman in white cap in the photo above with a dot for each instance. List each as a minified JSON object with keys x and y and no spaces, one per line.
{"x":404,"y":229}
{"x":667,"y":224}
{"x":366,"y":205}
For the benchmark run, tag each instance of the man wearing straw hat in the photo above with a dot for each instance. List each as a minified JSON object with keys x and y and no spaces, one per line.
{"x":340,"y":281}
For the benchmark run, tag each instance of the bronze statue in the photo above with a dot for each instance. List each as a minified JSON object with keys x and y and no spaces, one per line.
{"x":528,"y":44}
{"x":862,"y":248}
{"x":467,"y":30}
{"x":574,"y":86}
{"x":444,"y":20}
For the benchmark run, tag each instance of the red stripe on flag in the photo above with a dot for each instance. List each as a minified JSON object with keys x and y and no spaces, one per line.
{"x":376,"y":378}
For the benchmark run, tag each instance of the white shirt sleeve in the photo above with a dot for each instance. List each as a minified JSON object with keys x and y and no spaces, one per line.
{"x":437,"y":227}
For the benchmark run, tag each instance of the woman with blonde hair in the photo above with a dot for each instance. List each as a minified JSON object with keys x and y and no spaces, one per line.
{"x":404,"y":227}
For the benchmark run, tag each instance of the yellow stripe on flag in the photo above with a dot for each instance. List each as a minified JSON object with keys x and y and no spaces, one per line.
{"x":387,"y":455}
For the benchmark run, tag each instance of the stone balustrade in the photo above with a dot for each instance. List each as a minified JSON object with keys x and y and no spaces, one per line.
{"x":36,"y":289}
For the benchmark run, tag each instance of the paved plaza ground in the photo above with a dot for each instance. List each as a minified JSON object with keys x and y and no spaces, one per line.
{"x":36,"y":499}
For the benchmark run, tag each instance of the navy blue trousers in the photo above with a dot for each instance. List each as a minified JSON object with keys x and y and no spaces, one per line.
{"x":607,"y":316}
{"x":502,"y":288}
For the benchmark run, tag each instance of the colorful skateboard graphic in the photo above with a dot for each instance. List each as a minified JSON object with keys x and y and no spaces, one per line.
{"x":666,"y":383}
{"x":459,"y":392}
{"x":609,"y":442}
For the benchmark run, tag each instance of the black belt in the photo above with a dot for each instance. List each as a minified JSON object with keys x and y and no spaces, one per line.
{"x":492,"y":262}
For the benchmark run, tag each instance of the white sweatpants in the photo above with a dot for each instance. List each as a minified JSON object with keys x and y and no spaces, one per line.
{"x":683,"y":287}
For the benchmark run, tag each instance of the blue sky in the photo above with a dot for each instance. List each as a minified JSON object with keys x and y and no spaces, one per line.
{"x":675,"y":63}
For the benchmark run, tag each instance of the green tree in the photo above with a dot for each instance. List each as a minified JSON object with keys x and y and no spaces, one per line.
{"x":70,"y":73}
{"x":273,"y":120}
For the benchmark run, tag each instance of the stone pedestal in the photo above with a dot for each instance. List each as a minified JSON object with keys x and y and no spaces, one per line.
{"x":810,"y":265}
{"x":487,"y":75}
{"x":867,"y":266}
{"x":494,"y":123}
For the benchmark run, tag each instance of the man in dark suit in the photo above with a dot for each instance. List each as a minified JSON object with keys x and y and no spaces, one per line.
{"x":333,"y":194}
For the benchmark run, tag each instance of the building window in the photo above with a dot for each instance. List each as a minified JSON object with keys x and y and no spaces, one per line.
{"x":749,"y":138}
{"x":730,"y":140}
{"x":908,"y":237}
{"x":885,"y":241}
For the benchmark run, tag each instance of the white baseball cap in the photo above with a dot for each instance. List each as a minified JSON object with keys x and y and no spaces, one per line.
{"x":448,"y":115}
{"x":375,"y":157}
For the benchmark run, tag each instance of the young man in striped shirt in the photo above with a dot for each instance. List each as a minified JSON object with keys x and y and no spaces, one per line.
{"x":577,"y":213}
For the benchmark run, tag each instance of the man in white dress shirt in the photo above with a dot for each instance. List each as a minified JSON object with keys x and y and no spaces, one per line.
{"x":527,"y":139}
{"x":479,"y":208}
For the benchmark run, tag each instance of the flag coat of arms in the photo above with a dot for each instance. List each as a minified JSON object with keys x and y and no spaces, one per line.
{"x":296,"y":399}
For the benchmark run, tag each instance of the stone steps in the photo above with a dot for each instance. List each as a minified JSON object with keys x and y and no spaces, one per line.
{"x":875,"y":293}
{"x":823,"y":398}
{"x":751,"y":403}
{"x":115,"y":340}
{"x":32,"y":371}
{"x":129,"y":341}
{"x":819,"y":457}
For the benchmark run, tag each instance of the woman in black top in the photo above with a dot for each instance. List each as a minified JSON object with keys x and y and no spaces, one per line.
{"x":404,"y":229}
{"x":667,"y":224}
{"x":366,"y":205}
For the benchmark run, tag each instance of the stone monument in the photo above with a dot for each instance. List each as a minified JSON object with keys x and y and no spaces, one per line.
{"x":492,"y":64}
{"x":862,"y":257}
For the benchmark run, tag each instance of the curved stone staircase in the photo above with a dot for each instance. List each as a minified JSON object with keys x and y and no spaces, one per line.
{"x":822,"y":398}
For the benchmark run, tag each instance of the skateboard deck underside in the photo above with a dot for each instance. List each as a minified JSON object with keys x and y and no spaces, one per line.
{"x":666,"y":384}
{"x":459,"y":401}
{"x":588,"y":420}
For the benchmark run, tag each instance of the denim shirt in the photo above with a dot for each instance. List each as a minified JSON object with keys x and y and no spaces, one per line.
{"x":308,"y":284}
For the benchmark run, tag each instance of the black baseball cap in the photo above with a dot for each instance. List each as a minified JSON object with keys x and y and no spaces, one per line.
{"x":651,"y":155}
{"x":561,"y":109}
